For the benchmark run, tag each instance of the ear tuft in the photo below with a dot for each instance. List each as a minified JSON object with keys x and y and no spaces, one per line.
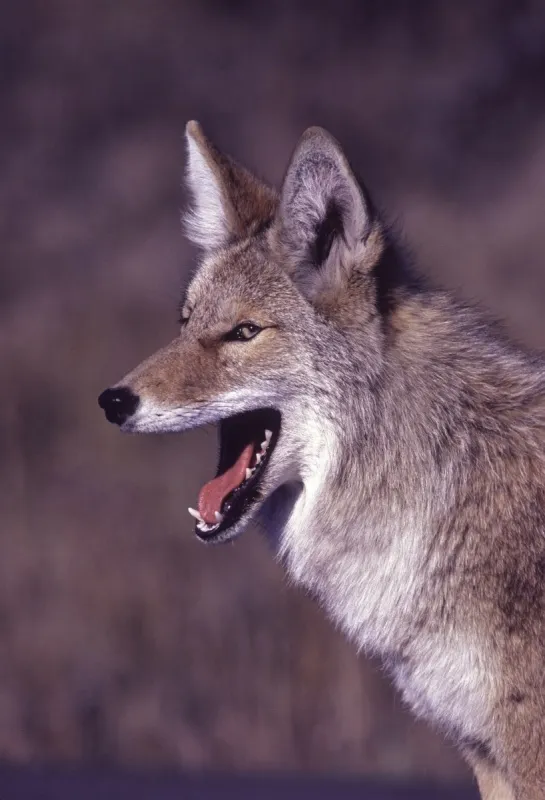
{"x":324,"y":217}
{"x":206,"y":223}
{"x":229,"y":203}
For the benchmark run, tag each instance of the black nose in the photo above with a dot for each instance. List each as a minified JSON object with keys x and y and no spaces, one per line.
{"x":118,"y":404}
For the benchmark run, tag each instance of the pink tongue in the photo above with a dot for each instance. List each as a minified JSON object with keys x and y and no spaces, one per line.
{"x":214,"y":492}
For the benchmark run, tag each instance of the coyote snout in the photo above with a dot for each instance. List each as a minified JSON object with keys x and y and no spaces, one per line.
{"x":383,"y":431}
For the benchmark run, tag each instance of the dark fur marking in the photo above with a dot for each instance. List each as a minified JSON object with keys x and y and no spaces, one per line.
{"x":330,"y":227}
{"x":522,"y":599}
{"x":394,"y":280}
{"x":477,"y":747}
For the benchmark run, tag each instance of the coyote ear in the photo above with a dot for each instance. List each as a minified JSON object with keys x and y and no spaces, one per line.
{"x":324,"y":216}
{"x":228,"y":201}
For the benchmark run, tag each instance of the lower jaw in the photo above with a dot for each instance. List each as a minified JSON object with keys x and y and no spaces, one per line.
{"x":271,"y":515}
{"x":222,"y":535}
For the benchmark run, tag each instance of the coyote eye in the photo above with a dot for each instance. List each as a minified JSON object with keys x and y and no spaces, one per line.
{"x":242,"y":332}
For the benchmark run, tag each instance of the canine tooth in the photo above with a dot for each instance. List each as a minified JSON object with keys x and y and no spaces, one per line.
{"x":219,"y":517}
{"x":195,"y":514}
{"x":268,"y":436}
{"x":248,"y":473}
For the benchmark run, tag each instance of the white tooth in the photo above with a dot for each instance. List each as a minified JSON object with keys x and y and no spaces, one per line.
{"x":264,"y":446}
{"x":248,"y":473}
{"x":268,"y":436}
{"x":258,"y":457}
{"x":219,"y":517}
{"x":204,"y":526}
{"x":195,"y":514}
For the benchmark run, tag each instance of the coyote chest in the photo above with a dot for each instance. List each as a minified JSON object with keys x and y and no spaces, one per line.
{"x":367,"y":573}
{"x":375,"y":594}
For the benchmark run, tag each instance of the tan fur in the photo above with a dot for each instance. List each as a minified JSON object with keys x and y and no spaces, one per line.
{"x":492,"y":784}
{"x":406,"y":491}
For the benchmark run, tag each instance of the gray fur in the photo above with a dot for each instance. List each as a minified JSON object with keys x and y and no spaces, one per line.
{"x":407,"y":489}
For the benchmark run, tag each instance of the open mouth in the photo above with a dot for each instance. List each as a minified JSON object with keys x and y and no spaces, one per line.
{"x":247,"y":441}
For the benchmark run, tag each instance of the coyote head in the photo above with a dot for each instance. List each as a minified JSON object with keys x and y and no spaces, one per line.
{"x":281,"y":328}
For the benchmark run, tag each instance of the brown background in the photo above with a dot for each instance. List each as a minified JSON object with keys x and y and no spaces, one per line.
{"x":122,"y":639}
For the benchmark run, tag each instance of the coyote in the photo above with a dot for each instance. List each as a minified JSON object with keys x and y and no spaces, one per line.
{"x":386,"y":435}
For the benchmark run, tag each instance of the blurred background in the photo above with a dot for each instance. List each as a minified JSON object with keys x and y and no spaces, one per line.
{"x":123,"y":641}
